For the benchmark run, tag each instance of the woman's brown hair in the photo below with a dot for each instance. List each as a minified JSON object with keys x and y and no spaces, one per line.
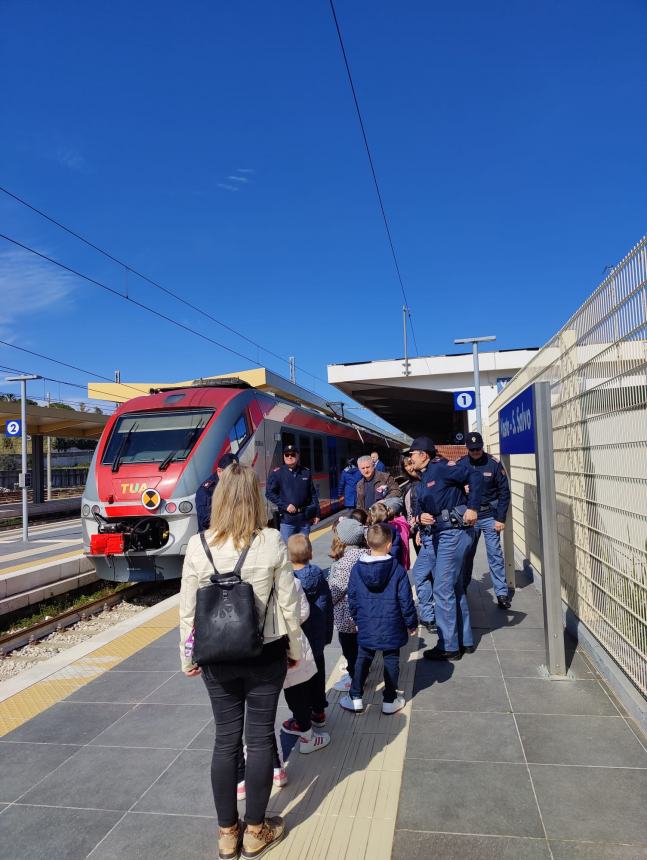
{"x":237,"y":510}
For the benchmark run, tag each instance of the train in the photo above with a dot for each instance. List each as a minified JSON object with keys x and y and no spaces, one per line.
{"x":138,"y":508}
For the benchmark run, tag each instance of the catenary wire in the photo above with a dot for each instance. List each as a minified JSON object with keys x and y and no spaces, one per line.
{"x":373,"y":172}
{"x":149,"y":280}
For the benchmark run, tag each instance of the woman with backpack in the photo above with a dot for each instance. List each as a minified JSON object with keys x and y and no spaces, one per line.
{"x":251,"y":563}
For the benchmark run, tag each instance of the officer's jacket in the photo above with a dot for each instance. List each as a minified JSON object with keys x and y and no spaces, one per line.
{"x":496,"y":488}
{"x":203,"y":499}
{"x":293,"y":487}
{"x":442,"y":487}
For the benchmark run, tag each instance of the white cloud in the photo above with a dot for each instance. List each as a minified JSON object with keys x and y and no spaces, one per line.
{"x":28,"y":285}
{"x":71,"y":158}
{"x":238,"y":178}
{"x":227,"y":187}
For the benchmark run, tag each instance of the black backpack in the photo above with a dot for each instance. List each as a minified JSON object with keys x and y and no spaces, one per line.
{"x":227,"y":626}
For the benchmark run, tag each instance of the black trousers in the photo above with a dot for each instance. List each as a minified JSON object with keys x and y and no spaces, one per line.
{"x":304,"y":699}
{"x":233,"y":688}
{"x":348,"y":642}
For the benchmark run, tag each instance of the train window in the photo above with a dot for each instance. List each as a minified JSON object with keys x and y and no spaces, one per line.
{"x":317,"y":445}
{"x":238,"y":435}
{"x":304,"y":450}
{"x":151,"y":437}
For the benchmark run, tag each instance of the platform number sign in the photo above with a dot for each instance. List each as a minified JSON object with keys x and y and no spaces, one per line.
{"x":464,"y":400}
{"x":13,"y":428}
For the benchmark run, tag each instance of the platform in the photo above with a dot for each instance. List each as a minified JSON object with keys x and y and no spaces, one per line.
{"x":55,"y":508}
{"x":107,"y":755}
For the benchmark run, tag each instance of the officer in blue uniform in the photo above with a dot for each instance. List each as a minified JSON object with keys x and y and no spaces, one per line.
{"x":204,"y":493}
{"x":446,"y":515}
{"x":492,"y":515}
{"x":291,"y":489}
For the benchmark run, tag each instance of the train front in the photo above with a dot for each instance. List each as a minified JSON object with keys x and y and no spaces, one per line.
{"x":138,"y":509}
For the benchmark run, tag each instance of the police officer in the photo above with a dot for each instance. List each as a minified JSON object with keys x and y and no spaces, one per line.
{"x":291,"y":489}
{"x":205,"y":491}
{"x":446,"y":515}
{"x":491,"y":516}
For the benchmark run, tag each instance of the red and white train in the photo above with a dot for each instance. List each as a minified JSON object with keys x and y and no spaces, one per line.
{"x":138,"y":508}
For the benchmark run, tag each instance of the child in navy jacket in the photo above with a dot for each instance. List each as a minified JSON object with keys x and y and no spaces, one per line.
{"x":381,"y":603}
{"x":319,"y":626}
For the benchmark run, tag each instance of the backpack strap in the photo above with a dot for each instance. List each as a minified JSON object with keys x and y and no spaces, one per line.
{"x":208,"y":553}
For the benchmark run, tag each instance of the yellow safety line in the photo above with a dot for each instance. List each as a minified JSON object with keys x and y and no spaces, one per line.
{"x":46,"y":559}
{"x":35,"y":550}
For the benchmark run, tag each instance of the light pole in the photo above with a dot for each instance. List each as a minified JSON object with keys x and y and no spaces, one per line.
{"x":477,"y":378}
{"x":22,"y":481}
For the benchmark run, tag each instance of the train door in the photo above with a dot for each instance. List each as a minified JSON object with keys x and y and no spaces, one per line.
{"x":333,"y":472}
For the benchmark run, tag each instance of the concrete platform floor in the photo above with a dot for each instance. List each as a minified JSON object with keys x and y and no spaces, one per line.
{"x":488,"y":760}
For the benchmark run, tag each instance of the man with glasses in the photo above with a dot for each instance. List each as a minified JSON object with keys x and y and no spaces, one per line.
{"x":445,"y":514}
{"x":291,"y":489}
{"x":491,"y":516}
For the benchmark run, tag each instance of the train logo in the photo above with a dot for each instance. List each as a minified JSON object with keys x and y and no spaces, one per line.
{"x":151,"y":499}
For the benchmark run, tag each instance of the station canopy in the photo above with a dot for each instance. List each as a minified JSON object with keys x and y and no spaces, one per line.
{"x":54,"y":421}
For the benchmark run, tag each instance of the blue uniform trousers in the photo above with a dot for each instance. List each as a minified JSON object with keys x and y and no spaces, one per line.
{"x":422,"y":572}
{"x":287,"y":530}
{"x":452,"y":612}
{"x":494,"y":556}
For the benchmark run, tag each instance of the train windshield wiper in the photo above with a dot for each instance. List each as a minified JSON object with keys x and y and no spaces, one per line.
{"x":122,"y":449}
{"x":166,"y":462}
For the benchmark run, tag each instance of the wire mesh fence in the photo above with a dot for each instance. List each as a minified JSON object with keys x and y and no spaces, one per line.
{"x":597,"y":368}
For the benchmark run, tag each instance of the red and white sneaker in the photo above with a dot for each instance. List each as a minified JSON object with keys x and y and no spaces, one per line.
{"x":291,"y":727}
{"x":310,"y":742}
{"x":318,"y":719}
{"x":280,"y":778}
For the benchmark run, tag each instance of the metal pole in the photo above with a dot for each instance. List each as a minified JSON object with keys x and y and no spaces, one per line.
{"x":508,"y":534}
{"x":404,"y":324}
{"x":477,"y":385}
{"x":548,"y":539}
{"x":49,"y":458}
{"x":23,"y":434}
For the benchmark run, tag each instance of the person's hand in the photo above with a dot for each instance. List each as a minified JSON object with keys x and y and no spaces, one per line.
{"x":427,"y":519}
{"x":498,"y":527}
{"x":291,"y":509}
{"x":193,"y":672}
{"x":413,"y":632}
{"x":316,"y":521}
{"x":292,"y":663}
{"x":418,"y":539}
{"x":470,"y":517}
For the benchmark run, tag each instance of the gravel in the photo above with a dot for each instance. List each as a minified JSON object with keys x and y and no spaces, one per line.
{"x":31,"y":655}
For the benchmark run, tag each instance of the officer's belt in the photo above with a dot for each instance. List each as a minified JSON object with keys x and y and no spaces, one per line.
{"x":445,"y":520}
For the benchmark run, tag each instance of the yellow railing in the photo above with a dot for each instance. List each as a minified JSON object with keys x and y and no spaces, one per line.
{"x":597,"y":368}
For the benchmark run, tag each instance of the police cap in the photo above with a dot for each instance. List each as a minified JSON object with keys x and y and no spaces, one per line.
{"x":474,"y":442}
{"x":422,"y":443}
{"x":227,"y":460}
{"x":290,"y":449}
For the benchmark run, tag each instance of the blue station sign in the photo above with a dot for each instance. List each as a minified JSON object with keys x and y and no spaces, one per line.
{"x":13,"y":428}
{"x":517,"y":425}
{"x":464,"y":400}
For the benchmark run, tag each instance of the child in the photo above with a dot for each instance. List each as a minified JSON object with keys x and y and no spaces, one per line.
{"x":397,"y":519}
{"x":381,"y":602}
{"x":359,"y":514}
{"x":307,"y":700}
{"x":379,"y":513}
{"x":347,"y":547}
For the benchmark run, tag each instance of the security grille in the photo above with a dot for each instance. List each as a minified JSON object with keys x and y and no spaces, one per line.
{"x":597,"y":369}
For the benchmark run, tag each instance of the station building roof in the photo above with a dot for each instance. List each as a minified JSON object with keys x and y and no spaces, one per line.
{"x":54,"y":421}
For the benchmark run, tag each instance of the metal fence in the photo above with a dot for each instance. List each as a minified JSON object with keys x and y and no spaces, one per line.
{"x":597,"y":369}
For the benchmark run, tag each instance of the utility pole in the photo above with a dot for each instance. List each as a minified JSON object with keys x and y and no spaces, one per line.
{"x":49,"y":457}
{"x":293,"y":368}
{"x":477,"y":376}
{"x":117,"y":376}
{"x":22,"y":481}
{"x":405,"y":311}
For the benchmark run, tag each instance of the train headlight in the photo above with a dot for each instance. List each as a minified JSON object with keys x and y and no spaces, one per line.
{"x":186,"y":507}
{"x":85,"y":510}
{"x":96,"y":509}
{"x":170,"y":507}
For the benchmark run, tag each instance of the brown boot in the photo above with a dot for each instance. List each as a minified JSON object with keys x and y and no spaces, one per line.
{"x":260,"y":838}
{"x":229,"y":841}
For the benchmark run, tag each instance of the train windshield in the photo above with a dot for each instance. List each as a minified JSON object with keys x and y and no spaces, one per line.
{"x":155,"y":437}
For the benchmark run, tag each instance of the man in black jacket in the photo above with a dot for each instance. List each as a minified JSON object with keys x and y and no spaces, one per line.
{"x":491,"y":516}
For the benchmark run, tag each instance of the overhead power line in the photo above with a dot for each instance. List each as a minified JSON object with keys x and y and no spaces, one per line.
{"x":373,"y":172}
{"x":150,"y":280}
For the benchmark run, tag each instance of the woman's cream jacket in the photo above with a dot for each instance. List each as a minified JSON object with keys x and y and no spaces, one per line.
{"x":266,"y":564}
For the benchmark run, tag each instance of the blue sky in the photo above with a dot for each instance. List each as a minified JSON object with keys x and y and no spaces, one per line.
{"x":214,"y":146}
